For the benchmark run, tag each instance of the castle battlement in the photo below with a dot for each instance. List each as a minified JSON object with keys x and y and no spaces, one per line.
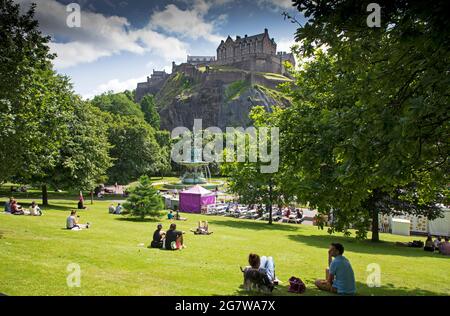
{"x":254,"y":53}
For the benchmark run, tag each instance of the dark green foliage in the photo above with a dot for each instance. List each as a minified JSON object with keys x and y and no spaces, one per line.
{"x":34,"y":101}
{"x":151,"y":115}
{"x":144,"y":200}
{"x":370,"y":116}
{"x":135,"y":150}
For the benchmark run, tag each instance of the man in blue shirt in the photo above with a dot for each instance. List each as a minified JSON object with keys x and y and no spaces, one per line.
{"x":339,"y":277}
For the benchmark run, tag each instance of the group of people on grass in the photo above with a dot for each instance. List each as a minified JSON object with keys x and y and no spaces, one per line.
{"x":14,"y":208}
{"x":339,"y":276}
{"x":439,"y":245}
{"x":115,"y":209}
{"x":171,"y":239}
{"x":177,"y":217}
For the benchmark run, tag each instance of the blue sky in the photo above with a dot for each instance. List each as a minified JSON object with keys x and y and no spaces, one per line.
{"x":120,"y":42}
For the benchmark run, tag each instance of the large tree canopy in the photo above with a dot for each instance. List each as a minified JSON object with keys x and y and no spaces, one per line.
{"x":117,"y":103}
{"x":34,"y":102}
{"x":369,"y":127}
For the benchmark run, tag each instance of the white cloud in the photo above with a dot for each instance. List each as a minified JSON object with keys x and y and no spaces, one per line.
{"x":276,"y":4}
{"x":99,"y":36}
{"x":284,"y":45}
{"x":191,"y":22}
{"x":116,"y":86}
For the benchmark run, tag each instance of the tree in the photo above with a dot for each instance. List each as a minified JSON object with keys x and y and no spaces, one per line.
{"x":83,"y":156}
{"x":148,"y":106}
{"x":144,"y":200}
{"x":368,"y":130}
{"x":135,"y":150}
{"x":34,"y":101}
{"x":246,"y":179}
{"x":117,"y":103}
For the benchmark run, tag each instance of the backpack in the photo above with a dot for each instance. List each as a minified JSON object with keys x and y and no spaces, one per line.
{"x":296,"y":285}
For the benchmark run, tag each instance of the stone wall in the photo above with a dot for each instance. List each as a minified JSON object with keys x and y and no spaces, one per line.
{"x":145,"y":88}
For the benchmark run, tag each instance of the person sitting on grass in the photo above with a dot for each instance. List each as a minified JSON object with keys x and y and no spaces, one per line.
{"x":339,"y":277}
{"x":35,"y":209}
{"x":260,"y":274}
{"x":16,"y":209}
{"x":444,"y":247}
{"x":174,"y":238}
{"x":437,"y":242}
{"x":81,"y":204}
{"x":112,"y":209}
{"x":158,"y":237}
{"x":178,"y":217}
{"x":72,"y":222}
{"x":429,"y":245}
{"x":299,"y":216}
{"x":8,"y":205}
{"x":170,"y":215}
{"x":118,"y":209}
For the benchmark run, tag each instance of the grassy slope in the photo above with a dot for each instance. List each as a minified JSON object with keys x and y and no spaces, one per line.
{"x":35,"y":251}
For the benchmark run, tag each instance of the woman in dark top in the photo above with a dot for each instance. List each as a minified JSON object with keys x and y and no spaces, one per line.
{"x":429,"y":246}
{"x":260,"y":273}
{"x":158,"y":237}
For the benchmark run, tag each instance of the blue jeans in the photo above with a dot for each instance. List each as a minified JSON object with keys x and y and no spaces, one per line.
{"x":268,"y":266}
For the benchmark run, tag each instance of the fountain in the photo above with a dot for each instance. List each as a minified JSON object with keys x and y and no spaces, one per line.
{"x":197,"y":173}
{"x":194,"y":170}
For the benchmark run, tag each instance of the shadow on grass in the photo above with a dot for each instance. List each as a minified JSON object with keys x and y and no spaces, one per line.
{"x":362,"y":290}
{"x":254,"y":225}
{"x":137,"y":219}
{"x":364,"y":246}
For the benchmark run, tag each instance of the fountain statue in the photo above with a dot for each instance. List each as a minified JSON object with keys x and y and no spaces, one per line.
{"x":195,"y":168}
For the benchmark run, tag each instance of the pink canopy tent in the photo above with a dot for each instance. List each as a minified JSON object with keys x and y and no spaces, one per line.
{"x":193,"y":199}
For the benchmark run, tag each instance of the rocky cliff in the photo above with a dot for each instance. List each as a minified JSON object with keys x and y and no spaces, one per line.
{"x":220,"y":97}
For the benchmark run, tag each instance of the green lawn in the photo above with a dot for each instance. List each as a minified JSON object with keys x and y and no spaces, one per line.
{"x":35,"y":252}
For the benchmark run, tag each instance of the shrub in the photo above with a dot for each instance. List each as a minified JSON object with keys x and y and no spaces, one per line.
{"x":144,"y":200}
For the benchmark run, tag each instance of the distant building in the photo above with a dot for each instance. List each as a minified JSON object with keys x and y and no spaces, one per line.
{"x":152,"y":85}
{"x":254,"y":53}
{"x":200,"y":60}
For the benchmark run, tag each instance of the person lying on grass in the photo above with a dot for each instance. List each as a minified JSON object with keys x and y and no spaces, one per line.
{"x":339,"y":277}
{"x":202,"y":228}
{"x":174,"y":239}
{"x":72,"y":222}
{"x":260,"y":274}
{"x":158,"y":237}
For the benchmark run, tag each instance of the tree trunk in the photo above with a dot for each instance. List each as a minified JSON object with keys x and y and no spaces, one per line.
{"x":92,"y":197}
{"x":375,"y":226}
{"x":270,"y":202}
{"x":44,"y":195}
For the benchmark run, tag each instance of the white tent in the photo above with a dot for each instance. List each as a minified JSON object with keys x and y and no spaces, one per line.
{"x":440,"y":226}
{"x":420,"y":224}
